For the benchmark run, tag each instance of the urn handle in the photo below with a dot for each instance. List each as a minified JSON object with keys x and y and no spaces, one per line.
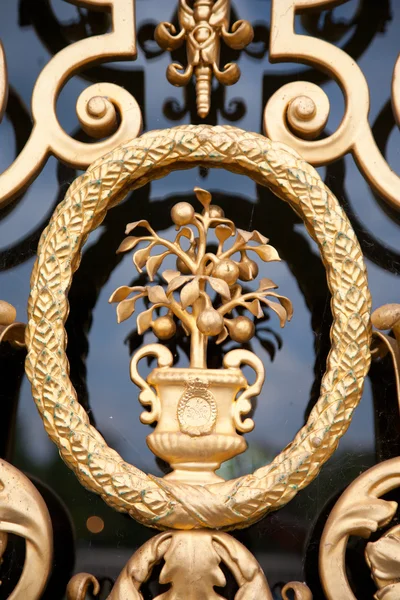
{"x":148,"y":396}
{"x":242,"y":405}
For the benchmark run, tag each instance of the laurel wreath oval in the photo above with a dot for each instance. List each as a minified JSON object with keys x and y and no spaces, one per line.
{"x":151,"y":500}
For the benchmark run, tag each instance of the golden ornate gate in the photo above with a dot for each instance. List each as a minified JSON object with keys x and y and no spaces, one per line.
{"x":228,"y":459}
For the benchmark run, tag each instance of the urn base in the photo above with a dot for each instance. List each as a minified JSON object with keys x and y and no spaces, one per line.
{"x":195,"y":459}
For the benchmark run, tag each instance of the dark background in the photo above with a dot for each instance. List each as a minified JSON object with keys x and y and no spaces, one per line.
{"x":286,"y":542}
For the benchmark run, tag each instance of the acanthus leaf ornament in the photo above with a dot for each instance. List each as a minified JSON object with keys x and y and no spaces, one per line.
{"x":202,"y":27}
{"x":192,"y":567}
{"x":383,"y":558}
{"x":167,"y":503}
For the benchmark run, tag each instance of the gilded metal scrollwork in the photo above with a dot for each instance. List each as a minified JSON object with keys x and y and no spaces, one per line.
{"x":11,"y":330}
{"x":199,"y":413}
{"x":97,"y":106}
{"x":24,"y":513}
{"x":361,"y":511}
{"x":387,"y":318}
{"x":191,"y":567}
{"x":202,"y":27}
{"x":297,"y":112}
{"x":383,"y":558}
{"x":159,"y":502}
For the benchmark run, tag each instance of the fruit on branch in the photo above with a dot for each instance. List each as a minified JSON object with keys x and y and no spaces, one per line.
{"x":248,"y":269}
{"x":181,"y":265}
{"x":227,"y":270}
{"x":210,"y":322}
{"x":182,"y":213}
{"x":241,"y":329}
{"x":164,"y":327}
{"x":214,"y":212}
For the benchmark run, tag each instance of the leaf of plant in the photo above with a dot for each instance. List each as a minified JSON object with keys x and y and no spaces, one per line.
{"x":122,"y":292}
{"x":140,"y":257}
{"x":245,"y":235}
{"x":185,"y":232}
{"x":177,"y":282}
{"x":156,"y":294}
{"x":254,"y":236}
{"x":125,"y":309}
{"x":127,"y":244}
{"x":131,"y":226}
{"x":223,"y":232}
{"x":169,"y":275}
{"x":222,"y":336}
{"x":259,"y":237}
{"x":279,"y":310}
{"x":267,"y":284}
{"x":286,"y":303}
{"x":144,"y":320}
{"x":220,"y":286}
{"x":190,"y":293}
{"x":266,"y":253}
{"x":255,"y":308}
{"x":203,"y":196}
{"x":154,"y":263}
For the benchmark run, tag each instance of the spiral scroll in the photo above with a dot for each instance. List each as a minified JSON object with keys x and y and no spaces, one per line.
{"x":47,"y":136}
{"x":354,"y":133}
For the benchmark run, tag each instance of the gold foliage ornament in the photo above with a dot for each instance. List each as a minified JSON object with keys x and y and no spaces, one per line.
{"x":202,"y":27}
{"x":166,"y":503}
{"x":192,"y":566}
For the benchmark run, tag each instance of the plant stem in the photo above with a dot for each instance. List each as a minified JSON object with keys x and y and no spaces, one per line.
{"x":226,"y":308}
{"x":198,"y":341}
{"x":198,"y":349}
{"x":175,"y":249}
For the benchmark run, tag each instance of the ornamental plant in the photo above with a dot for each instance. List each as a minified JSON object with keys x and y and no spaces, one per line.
{"x":203,"y":293}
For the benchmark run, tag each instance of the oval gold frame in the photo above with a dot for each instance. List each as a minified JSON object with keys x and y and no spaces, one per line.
{"x":151,"y":500}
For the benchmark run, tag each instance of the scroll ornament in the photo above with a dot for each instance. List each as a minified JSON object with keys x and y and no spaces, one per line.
{"x":98,"y":108}
{"x":23,"y":512}
{"x":298,"y":112}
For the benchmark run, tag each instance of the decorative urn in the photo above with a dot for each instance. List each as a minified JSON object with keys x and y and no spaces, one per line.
{"x":199,"y":411}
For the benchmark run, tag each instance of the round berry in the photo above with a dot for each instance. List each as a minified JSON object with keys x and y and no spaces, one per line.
{"x":210,"y":322}
{"x":241,"y":329}
{"x":164,"y":327}
{"x":182,"y":213}
{"x":227,"y":270}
